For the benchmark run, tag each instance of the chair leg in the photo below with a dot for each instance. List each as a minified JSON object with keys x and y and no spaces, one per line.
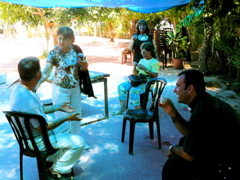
{"x":141,"y":99}
{"x":72,"y":172}
{"x":151,"y":130}
{"x":42,"y":168}
{"x":165,"y":60}
{"x":21,"y":165}
{"x":131,"y":136}
{"x":127,"y":99}
{"x":158,"y":134}
{"x":123,"y":58}
{"x":123,"y":129}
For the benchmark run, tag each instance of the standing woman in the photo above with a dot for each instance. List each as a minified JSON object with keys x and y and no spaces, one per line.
{"x":65,"y":86}
{"x":143,"y":35}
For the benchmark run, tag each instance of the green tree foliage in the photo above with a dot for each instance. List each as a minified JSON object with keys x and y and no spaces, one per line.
{"x":13,"y":13}
{"x":223,"y":17}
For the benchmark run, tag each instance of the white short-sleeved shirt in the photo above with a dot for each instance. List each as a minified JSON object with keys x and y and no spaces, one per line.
{"x":24,"y":100}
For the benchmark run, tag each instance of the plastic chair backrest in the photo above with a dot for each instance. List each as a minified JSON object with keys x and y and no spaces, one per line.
{"x":157,"y":89}
{"x":167,"y":29}
{"x":160,"y":38}
{"x":16,"y":120}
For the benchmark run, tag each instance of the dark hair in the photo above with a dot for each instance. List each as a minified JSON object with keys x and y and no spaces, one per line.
{"x":28,"y":68}
{"x":67,"y":32}
{"x":143,"y":22}
{"x":148,"y":46}
{"x":195,"y":78}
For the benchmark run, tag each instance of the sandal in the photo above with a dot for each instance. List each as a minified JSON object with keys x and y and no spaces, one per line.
{"x":53,"y":174}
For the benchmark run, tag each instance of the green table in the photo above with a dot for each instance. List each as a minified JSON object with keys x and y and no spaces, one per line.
{"x":95,"y":78}
{"x":101,"y":77}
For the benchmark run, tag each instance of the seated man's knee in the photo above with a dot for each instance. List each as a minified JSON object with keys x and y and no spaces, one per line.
{"x":77,"y":141}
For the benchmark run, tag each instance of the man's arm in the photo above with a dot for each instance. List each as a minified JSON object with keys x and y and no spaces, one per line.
{"x":58,"y":107}
{"x":50,"y":109}
{"x":178,"y":150}
{"x":181,"y":124}
{"x":56,"y":123}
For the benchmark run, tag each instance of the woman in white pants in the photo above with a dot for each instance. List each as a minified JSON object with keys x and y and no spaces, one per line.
{"x":67,"y":64}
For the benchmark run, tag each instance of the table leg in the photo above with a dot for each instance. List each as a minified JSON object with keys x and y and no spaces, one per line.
{"x":106,"y":98}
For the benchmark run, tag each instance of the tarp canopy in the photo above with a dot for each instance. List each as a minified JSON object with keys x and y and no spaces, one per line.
{"x":143,"y":6}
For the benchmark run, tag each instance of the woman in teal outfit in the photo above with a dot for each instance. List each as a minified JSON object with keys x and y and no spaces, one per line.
{"x":147,"y":66}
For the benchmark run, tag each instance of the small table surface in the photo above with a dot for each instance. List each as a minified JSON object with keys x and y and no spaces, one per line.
{"x":94,"y":75}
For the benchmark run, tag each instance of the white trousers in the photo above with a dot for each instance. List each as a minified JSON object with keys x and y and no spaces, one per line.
{"x":72,"y":95}
{"x":71,"y":147}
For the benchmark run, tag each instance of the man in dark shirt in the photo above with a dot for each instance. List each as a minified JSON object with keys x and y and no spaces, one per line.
{"x":209,"y":147}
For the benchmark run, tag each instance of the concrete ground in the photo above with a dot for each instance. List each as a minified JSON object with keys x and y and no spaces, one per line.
{"x":107,"y":157}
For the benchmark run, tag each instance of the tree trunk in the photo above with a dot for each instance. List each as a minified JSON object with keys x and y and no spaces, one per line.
{"x":41,"y":13}
{"x":111,"y":29}
{"x":95,"y":29}
{"x":100,"y":26}
{"x":203,"y":54}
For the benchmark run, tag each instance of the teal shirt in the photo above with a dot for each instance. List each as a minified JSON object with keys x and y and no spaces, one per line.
{"x":152,"y":65}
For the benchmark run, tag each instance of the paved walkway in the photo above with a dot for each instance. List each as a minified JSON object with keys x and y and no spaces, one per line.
{"x":107,"y":157}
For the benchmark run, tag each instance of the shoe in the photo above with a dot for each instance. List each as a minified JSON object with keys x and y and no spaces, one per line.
{"x":53,"y":174}
{"x":68,"y":175}
{"x":49,"y":164}
{"x":86,"y":147}
{"x":117,"y":113}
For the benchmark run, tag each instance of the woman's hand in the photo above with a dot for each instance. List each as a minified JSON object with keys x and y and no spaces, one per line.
{"x":135,"y":63}
{"x":134,"y":37}
{"x":83,"y":64}
{"x":64,"y":107}
{"x":140,"y":66}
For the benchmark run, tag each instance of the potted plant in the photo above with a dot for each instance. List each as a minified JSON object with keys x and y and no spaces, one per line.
{"x":179,"y":45}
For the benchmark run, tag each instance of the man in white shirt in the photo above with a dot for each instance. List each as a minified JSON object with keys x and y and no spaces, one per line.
{"x":23,"y":99}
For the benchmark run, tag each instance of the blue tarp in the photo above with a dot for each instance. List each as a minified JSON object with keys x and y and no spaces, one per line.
{"x":143,"y":6}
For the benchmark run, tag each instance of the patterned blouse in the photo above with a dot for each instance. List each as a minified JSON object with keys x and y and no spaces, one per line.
{"x":66,"y":67}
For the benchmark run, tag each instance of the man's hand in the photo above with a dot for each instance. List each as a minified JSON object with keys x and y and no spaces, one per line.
{"x":64,"y":107}
{"x":168,"y":107}
{"x":73,"y":116}
{"x":169,"y":154}
{"x":69,"y":117}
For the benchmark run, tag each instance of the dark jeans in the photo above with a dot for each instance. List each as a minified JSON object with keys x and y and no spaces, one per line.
{"x":177,"y":168}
